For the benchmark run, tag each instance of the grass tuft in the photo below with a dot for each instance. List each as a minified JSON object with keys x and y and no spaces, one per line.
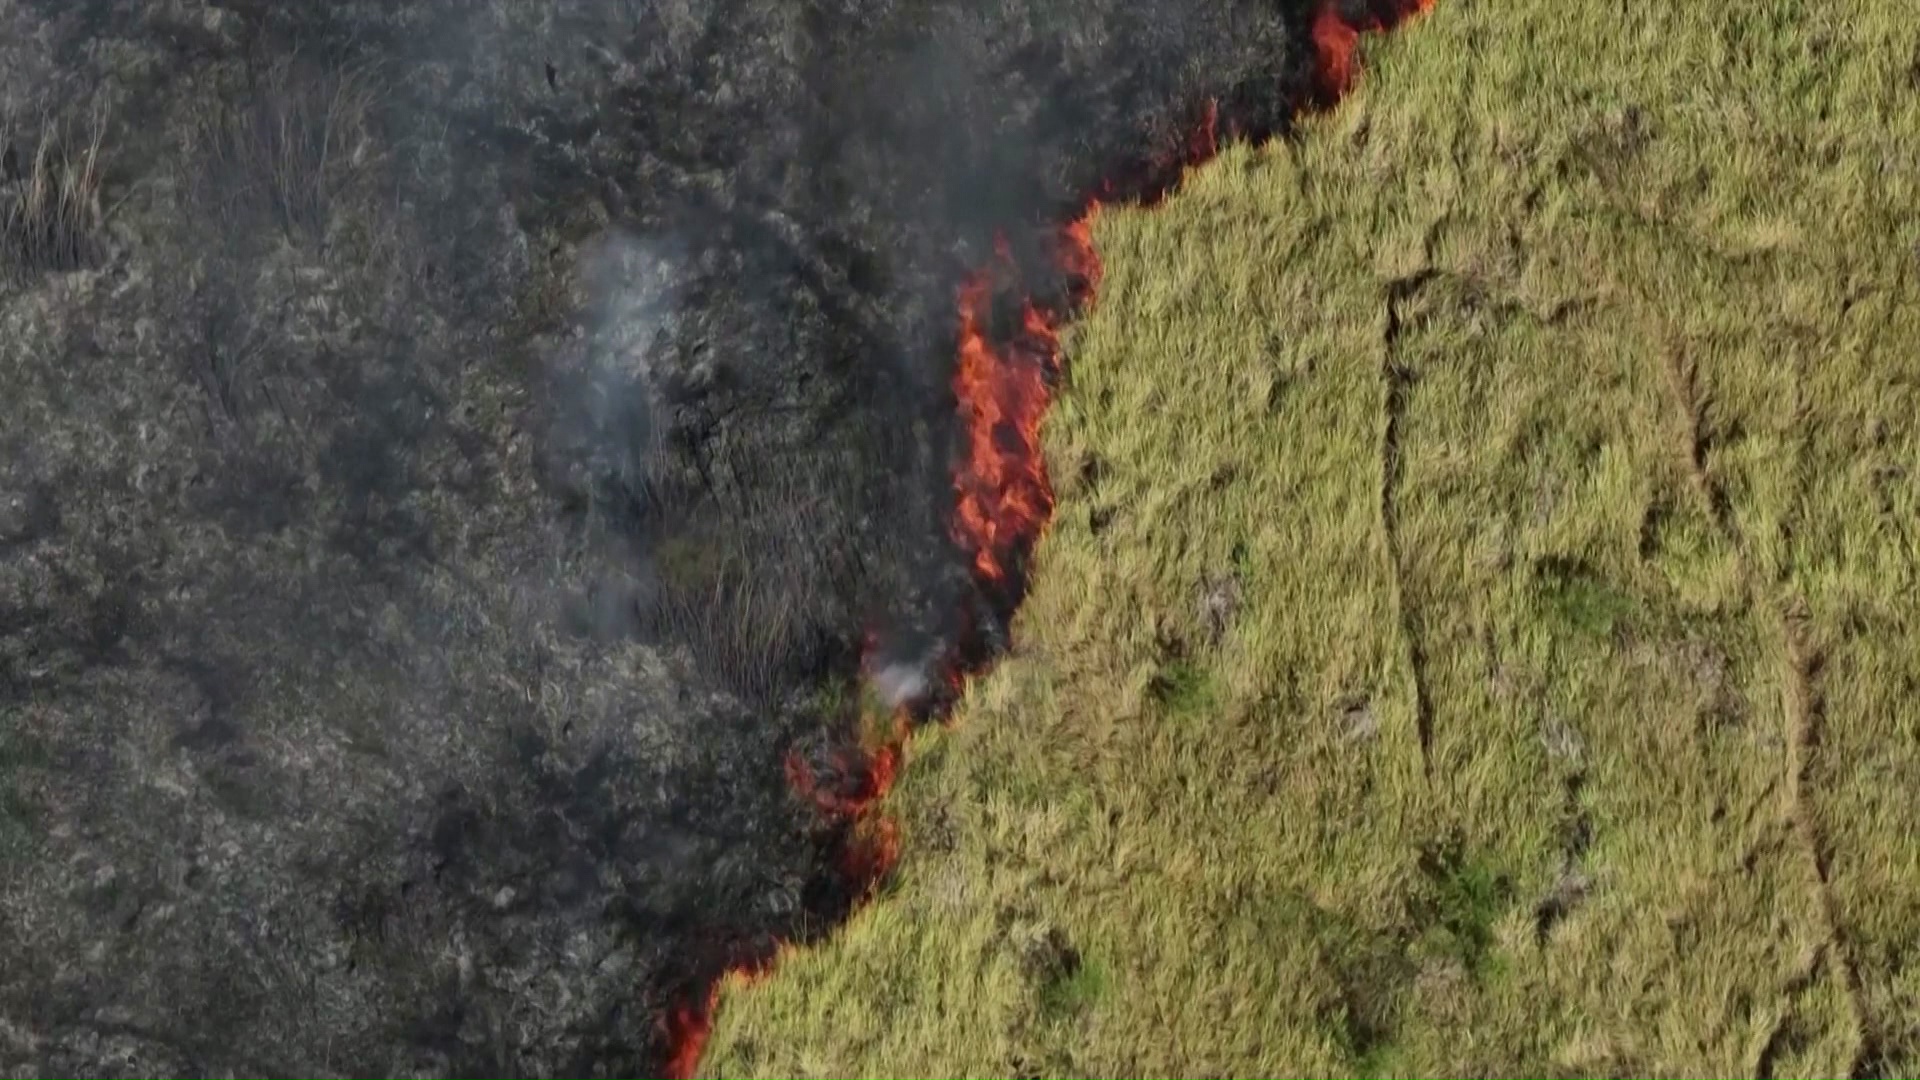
{"x":51,"y":216}
{"x":1072,"y":991}
{"x":1463,"y":900}
{"x":1581,"y":600}
{"x":290,"y":148}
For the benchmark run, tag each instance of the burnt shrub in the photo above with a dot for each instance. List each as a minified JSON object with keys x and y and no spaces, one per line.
{"x":286,"y":151}
{"x":51,"y":217}
{"x":748,"y":585}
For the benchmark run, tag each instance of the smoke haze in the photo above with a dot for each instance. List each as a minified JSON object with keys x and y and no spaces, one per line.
{"x":406,"y":611}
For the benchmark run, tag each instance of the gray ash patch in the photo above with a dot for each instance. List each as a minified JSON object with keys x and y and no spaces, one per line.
{"x":409,"y":591}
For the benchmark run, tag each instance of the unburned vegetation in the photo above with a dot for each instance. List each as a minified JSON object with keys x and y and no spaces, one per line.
{"x":1477,"y":634}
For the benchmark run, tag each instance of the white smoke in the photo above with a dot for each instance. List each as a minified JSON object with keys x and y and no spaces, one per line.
{"x":603,"y":377}
{"x":901,"y":683}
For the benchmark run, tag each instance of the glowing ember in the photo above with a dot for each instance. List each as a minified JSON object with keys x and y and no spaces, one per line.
{"x":858,"y":779}
{"x":1003,"y":498}
{"x":1204,"y":142}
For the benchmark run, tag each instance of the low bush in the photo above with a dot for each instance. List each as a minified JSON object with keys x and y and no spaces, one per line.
{"x":286,"y":150}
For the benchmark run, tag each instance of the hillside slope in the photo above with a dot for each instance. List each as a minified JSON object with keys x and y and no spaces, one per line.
{"x":1477,"y":631}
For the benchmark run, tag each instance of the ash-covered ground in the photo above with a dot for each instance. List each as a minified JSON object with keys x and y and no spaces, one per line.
{"x":436,"y":491}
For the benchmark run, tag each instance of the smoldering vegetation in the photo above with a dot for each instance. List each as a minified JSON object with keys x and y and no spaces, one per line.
{"x":705,"y":478}
{"x":829,"y":174}
{"x":489,"y":428}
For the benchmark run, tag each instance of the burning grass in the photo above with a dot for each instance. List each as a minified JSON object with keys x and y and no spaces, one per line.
{"x":1551,"y":426}
{"x":1003,"y":385}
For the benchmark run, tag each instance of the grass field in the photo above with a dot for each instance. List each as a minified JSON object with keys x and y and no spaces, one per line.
{"x":1481,"y":628}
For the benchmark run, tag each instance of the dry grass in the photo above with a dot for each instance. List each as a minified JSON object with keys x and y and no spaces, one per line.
{"x":1489,"y":645}
{"x":741,"y":587}
{"x":292,"y":145}
{"x":51,"y":217}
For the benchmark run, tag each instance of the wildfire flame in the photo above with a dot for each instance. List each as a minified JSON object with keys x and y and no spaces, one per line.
{"x":1336,"y":36}
{"x":687,"y":1024}
{"x":1003,"y":496}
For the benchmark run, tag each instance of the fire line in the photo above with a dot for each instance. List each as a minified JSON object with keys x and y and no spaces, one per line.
{"x":1003,"y":495}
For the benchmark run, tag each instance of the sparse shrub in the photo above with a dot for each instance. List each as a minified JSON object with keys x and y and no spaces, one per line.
{"x":1183,"y":687}
{"x":51,"y":218}
{"x":746,"y":584}
{"x":1072,"y":989}
{"x":289,"y":146}
{"x":1465,"y":896}
{"x":1581,"y":599}
{"x":738,"y":619}
{"x":232,"y":347}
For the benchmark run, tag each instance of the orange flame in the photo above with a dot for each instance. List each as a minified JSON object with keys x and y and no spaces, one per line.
{"x":1003,"y":496}
{"x":1077,"y":256}
{"x":863,"y":778}
{"x":1337,"y":36}
{"x":688,"y":1024}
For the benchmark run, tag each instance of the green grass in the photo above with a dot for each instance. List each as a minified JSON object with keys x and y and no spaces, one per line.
{"x":1567,"y":715}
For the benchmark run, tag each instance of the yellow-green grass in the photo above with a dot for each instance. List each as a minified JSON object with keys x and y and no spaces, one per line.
{"x":1559,"y":397}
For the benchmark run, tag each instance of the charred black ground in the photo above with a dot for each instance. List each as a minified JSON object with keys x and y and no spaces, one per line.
{"x":410,"y":591}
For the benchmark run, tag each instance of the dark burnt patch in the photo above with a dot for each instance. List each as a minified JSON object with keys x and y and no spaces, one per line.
{"x":404,"y":438}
